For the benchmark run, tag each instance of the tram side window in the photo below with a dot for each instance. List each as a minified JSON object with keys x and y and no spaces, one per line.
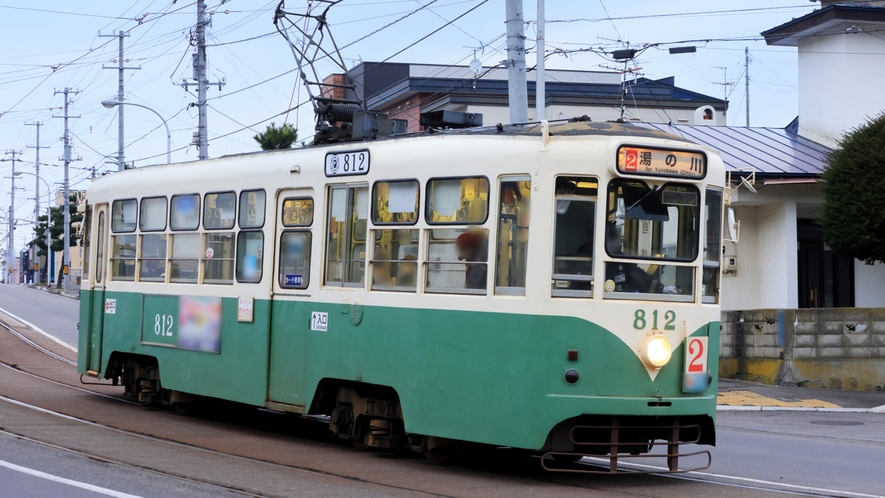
{"x":87,"y":232}
{"x":574,"y":235}
{"x":153,"y":214}
{"x":297,"y":212}
{"x":219,"y":210}
{"x":252,"y":208}
{"x":152,"y":258}
{"x":99,"y":250}
{"x":457,"y":201}
{"x":513,"y":235}
{"x":395,"y":260}
{"x":395,"y":203}
{"x":123,"y":215}
{"x":294,"y":259}
{"x":218,"y":257}
{"x":346,"y":238}
{"x":457,"y":260}
{"x":184,"y":263}
{"x":712,"y":246}
{"x":250,"y":256}
{"x":123,"y":257}
{"x":185,"y":212}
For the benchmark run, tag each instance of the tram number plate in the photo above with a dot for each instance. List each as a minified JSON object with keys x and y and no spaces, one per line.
{"x":696,"y":355}
{"x":319,"y":321}
{"x":347,"y":163}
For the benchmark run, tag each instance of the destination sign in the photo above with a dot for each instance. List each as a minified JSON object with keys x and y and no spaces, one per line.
{"x":661,"y":162}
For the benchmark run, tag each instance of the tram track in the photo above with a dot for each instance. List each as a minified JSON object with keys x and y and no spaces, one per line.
{"x":705,"y":479}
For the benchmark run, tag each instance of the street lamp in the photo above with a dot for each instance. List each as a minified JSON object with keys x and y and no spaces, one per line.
{"x":37,"y":215}
{"x":110,"y":104}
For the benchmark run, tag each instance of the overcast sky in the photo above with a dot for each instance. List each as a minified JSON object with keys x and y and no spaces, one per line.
{"x":53,"y":44}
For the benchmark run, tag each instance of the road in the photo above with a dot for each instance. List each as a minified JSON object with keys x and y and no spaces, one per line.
{"x":816,"y":453}
{"x":55,"y":315}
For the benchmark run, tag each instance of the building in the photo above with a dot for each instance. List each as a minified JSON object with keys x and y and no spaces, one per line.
{"x":404,"y":91}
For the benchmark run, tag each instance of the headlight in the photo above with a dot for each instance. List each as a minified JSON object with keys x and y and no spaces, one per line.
{"x":655,"y":351}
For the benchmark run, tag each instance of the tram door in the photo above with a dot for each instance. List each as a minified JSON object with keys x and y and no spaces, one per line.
{"x":287,"y":378}
{"x":97,"y":301}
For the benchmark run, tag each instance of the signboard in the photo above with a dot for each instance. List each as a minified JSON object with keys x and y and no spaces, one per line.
{"x":245,"y":308}
{"x":646,"y":161}
{"x":696,"y":355}
{"x":319,"y":321}
{"x":293,"y":280}
{"x":110,"y":306}
{"x":186,"y":322}
{"x":347,"y":163}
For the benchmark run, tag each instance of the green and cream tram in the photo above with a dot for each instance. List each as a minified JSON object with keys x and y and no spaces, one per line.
{"x":550,"y":287}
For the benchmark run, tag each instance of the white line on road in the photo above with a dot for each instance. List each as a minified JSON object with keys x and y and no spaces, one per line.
{"x":62,"y":480}
{"x":729,"y":408}
{"x":39,"y":330}
{"x":749,"y":480}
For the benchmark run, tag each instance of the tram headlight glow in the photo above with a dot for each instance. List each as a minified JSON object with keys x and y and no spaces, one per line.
{"x":656,"y":351}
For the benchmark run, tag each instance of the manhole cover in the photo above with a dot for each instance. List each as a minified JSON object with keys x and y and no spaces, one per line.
{"x":835,"y":422}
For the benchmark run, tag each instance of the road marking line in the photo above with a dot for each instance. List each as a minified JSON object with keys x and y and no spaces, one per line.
{"x":728,"y":408}
{"x":825,"y":491}
{"x":62,"y":480}
{"x":38,"y":330}
{"x":749,"y":398}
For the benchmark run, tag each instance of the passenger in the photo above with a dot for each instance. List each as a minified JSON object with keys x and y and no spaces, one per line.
{"x":407,"y":271}
{"x":381,"y":272}
{"x":472,"y":247}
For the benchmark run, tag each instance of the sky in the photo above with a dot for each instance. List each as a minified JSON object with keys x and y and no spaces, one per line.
{"x":55,"y":44}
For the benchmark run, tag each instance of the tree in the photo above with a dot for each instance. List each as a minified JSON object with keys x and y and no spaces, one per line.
{"x":277,"y":138}
{"x":57,"y":231}
{"x":853,"y":215}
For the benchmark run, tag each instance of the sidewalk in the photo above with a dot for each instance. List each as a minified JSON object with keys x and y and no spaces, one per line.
{"x":741,"y":395}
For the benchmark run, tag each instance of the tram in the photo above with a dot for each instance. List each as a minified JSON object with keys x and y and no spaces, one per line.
{"x":551,"y":287}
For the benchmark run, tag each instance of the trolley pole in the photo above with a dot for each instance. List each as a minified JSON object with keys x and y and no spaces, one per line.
{"x":66,"y":258}
{"x":516,"y":84}
{"x":121,"y":164}
{"x":37,"y":196}
{"x":10,"y":237}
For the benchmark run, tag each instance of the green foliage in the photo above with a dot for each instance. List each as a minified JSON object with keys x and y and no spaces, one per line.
{"x":853,"y":215}
{"x":57,"y":228}
{"x":277,"y":138}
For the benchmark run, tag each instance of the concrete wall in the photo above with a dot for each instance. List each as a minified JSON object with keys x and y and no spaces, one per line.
{"x":767,"y":274}
{"x":833,"y":348}
{"x":834,"y":91}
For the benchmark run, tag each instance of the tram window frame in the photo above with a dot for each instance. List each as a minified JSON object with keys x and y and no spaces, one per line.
{"x":263,"y":209}
{"x":574,"y":190}
{"x":392,"y":265}
{"x":298,"y":225}
{"x":305,"y":275}
{"x":99,"y":248}
{"x":172,"y":212}
{"x":142,"y":258}
{"x":85,"y":242}
{"x":240,"y":251}
{"x":713,"y":237}
{"x":233,"y":221}
{"x":205,"y":260}
{"x":195,"y":258}
{"x":428,"y":198}
{"x":347,"y":277}
{"x":480,"y":236}
{"x":375,"y":203}
{"x":117,"y":258}
{"x":115,"y":228}
{"x":142,"y":211}
{"x":517,"y":264}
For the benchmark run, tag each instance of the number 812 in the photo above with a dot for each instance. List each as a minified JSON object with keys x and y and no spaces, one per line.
{"x":640,"y":322}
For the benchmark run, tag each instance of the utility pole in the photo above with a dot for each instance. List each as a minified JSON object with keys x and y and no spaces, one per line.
{"x":725,"y":84}
{"x":66,"y":258}
{"x":10,"y":237}
{"x":121,"y":164}
{"x":201,"y":138}
{"x":37,"y":195}
{"x":540,"y":75}
{"x":516,"y":85}
{"x":747,"y":81}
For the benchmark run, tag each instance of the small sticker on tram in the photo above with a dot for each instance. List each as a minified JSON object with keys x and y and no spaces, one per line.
{"x":319,"y":321}
{"x":293,"y":280}
{"x":110,"y":306}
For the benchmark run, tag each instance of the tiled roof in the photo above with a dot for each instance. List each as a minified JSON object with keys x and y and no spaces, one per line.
{"x":769,"y":151}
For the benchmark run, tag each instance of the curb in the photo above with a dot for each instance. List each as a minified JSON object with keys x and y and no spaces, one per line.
{"x":729,"y":408}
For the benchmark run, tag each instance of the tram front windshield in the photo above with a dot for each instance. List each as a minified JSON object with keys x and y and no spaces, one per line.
{"x":655,"y":223}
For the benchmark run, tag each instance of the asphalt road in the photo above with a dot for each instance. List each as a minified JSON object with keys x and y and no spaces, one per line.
{"x":55,"y":315}
{"x":818,"y":453}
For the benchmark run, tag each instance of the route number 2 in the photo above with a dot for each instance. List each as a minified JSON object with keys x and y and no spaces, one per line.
{"x":696,"y":355}
{"x":163,"y":325}
{"x":640,"y":321}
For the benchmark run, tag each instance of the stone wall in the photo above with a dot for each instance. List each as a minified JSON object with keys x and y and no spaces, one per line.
{"x":840,"y":348}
